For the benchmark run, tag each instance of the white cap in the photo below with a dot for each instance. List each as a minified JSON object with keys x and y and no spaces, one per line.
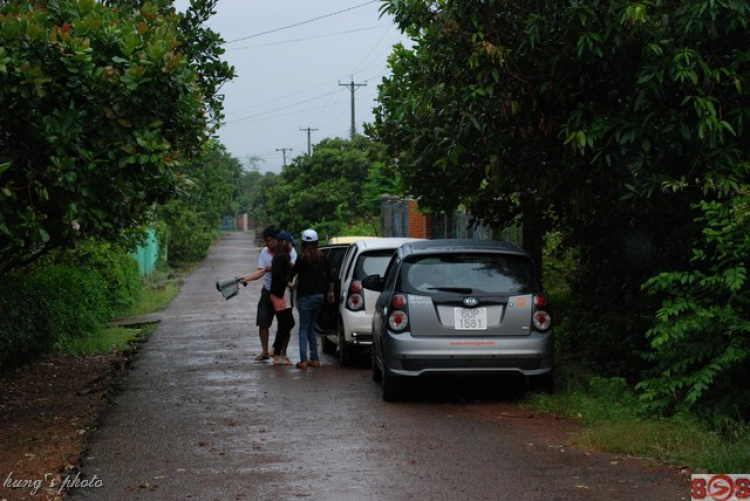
{"x":309,"y":236}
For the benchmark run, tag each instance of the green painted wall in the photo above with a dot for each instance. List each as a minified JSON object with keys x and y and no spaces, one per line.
{"x":148,"y":254}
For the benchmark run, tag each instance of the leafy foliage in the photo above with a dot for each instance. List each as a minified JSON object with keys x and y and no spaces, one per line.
{"x":213,"y":185}
{"x":188,"y":236}
{"x":102,"y":102}
{"x":61,"y":300}
{"x":611,"y":121}
{"x":701,"y":338}
{"x":213,"y":189}
{"x":114,"y":264}
{"x":324,"y":190}
{"x":255,"y":188}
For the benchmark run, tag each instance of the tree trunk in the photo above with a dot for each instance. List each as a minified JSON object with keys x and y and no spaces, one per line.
{"x":532,"y":234}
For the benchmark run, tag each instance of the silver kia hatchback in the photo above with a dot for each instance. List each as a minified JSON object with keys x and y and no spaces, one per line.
{"x":450,"y":307}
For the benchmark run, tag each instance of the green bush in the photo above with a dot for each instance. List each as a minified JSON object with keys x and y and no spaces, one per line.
{"x":117,"y":268}
{"x":560,"y":265}
{"x":48,"y":307}
{"x":189,"y":237}
{"x":700,"y":342}
{"x":63,"y":298}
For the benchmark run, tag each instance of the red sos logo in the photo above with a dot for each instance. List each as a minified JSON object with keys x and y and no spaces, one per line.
{"x":720,"y":487}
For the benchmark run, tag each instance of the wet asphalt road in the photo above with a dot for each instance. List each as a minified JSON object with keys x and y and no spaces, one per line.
{"x":198,"y":419}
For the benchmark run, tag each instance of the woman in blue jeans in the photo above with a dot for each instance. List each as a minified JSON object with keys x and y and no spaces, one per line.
{"x":314,"y":286}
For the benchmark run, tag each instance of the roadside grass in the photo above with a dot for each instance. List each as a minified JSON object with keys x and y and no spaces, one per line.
{"x":156,"y":293}
{"x":155,"y":296}
{"x":109,"y":340}
{"x":608,"y":410}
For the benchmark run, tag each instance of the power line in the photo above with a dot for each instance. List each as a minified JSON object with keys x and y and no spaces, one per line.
{"x":304,"y":39}
{"x":300,"y":23}
{"x":293,"y":94}
{"x":263,"y":113}
{"x":365,"y":58}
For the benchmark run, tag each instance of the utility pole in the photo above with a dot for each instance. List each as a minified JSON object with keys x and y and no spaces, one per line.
{"x":352,"y":87}
{"x":309,"y":144}
{"x":283,"y":153}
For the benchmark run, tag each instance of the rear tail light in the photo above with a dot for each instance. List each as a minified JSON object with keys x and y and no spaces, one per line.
{"x":541,"y":318}
{"x":398,"y":320}
{"x":399,"y":301}
{"x":355,"y":301}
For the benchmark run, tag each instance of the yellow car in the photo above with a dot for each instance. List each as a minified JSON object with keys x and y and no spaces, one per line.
{"x":346,"y":240}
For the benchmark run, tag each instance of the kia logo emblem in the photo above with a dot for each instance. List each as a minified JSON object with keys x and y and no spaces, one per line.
{"x":470,"y":301}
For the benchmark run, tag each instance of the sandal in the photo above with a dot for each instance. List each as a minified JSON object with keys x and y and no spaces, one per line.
{"x":301,"y":365}
{"x":262,"y":357}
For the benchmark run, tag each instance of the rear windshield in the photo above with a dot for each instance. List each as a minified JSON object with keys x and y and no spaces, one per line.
{"x":467,"y":274}
{"x":372,"y":263}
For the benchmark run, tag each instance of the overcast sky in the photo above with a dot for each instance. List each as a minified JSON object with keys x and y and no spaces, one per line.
{"x":295,"y":61}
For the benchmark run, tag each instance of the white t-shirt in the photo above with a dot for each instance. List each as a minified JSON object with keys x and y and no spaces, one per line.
{"x":264,"y":261}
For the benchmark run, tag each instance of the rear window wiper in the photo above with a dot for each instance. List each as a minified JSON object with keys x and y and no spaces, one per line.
{"x":458,"y":290}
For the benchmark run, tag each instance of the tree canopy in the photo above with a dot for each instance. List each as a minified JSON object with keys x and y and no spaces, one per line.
{"x":102,"y":103}
{"x":620,"y":123}
{"x":324,"y":190}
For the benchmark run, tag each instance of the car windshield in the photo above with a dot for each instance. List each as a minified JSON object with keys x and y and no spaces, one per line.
{"x":467,"y":274}
{"x":372,"y":263}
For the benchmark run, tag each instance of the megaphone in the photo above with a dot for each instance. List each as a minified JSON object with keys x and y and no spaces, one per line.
{"x":228,"y":287}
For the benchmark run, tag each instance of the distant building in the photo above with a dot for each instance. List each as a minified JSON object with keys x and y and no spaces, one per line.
{"x":400,"y":217}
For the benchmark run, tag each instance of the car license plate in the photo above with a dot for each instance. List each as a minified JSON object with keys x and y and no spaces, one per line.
{"x":471,"y":319}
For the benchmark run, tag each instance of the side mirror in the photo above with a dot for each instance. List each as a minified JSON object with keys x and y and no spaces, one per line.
{"x":373,"y":282}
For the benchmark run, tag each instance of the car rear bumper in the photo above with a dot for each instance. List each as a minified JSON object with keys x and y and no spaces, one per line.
{"x":529,"y":355}
{"x":357,"y":328}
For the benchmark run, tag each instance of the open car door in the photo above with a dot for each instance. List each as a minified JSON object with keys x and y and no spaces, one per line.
{"x":327,"y":319}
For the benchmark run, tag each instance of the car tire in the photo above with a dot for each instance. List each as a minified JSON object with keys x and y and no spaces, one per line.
{"x":377,"y":374}
{"x":543,"y":384}
{"x":328,"y":346}
{"x":393,"y":387}
{"x":345,"y":351}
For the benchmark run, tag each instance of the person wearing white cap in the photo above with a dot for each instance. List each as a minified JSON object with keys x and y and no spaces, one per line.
{"x":314,"y":286}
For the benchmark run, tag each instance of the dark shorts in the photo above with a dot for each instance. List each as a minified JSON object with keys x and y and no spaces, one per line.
{"x":264,"y":317}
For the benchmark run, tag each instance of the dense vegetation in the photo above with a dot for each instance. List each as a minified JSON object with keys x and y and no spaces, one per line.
{"x":336,"y":187}
{"x":614,"y":132}
{"x":64,"y":297}
{"x":102,"y":103}
{"x":104,"y":106}
{"x":619,"y":125}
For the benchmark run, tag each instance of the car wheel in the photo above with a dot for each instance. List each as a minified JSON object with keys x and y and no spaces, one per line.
{"x":543,"y":384}
{"x":377,"y":374}
{"x":345,"y":351}
{"x":328,"y":346}
{"x":392,"y":386}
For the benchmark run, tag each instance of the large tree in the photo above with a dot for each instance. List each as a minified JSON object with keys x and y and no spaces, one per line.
{"x":215,"y":185}
{"x":324,"y":190}
{"x":101,"y":104}
{"x":615,"y":121}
